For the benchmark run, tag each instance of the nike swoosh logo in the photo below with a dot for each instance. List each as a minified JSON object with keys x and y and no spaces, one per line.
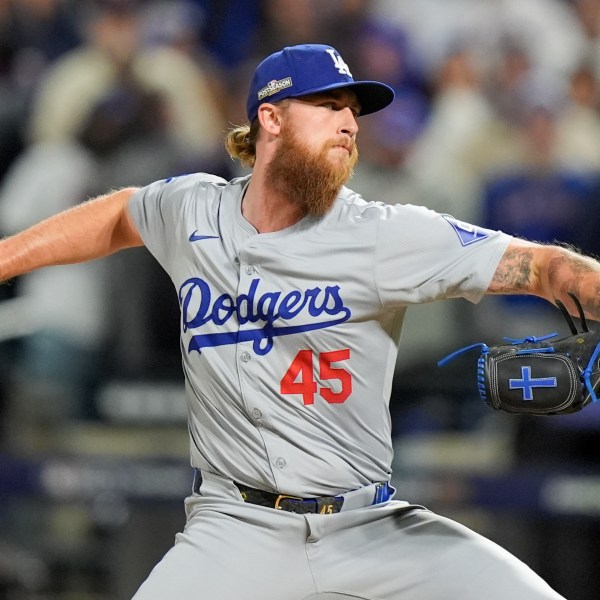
{"x":195,"y":237}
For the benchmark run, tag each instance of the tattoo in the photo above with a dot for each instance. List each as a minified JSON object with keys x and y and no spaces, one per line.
{"x":513,"y":273}
{"x":566,"y":273}
{"x":551,"y":272}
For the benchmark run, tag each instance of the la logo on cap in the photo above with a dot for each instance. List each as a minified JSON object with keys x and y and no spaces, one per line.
{"x":339,"y":62}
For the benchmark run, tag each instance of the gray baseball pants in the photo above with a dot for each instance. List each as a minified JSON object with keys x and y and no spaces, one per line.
{"x":231,"y":550}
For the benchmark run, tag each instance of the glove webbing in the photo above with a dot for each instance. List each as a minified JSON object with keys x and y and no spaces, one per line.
{"x":587,"y":372}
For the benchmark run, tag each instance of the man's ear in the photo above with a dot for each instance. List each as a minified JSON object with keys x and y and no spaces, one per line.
{"x":269,"y":116}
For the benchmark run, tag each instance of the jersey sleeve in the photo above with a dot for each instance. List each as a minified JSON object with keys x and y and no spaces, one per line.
{"x":423,"y":256}
{"x":162,"y":210}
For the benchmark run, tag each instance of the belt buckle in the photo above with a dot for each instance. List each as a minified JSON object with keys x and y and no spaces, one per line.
{"x":285,"y":497}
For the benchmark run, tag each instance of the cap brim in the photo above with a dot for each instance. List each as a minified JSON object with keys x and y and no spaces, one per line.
{"x":372,"y":95}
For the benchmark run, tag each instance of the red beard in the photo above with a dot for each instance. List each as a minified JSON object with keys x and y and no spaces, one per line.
{"x":312,"y":180}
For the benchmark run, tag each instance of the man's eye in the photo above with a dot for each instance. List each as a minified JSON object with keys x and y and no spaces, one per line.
{"x":339,"y":106}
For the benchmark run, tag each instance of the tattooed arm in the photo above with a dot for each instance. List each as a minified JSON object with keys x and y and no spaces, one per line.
{"x":549,"y":272}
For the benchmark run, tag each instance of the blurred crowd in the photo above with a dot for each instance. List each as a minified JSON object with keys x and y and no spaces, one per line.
{"x":496,"y":121}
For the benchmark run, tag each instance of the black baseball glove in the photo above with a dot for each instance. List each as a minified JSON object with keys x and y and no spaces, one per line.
{"x":539,"y":376}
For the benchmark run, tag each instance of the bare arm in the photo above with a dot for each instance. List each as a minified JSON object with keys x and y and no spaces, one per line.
{"x":87,"y":231}
{"x":549,"y":272}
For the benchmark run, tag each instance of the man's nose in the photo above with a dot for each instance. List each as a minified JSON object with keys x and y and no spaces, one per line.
{"x":349,"y":125}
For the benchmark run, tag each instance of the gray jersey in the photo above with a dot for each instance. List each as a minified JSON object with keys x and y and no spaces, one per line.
{"x":289,"y":339}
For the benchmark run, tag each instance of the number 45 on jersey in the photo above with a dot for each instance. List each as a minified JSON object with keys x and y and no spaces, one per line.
{"x":300,"y":377}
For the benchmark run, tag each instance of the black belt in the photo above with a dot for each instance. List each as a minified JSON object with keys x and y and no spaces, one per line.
{"x":324,"y":505}
{"x":321,"y":505}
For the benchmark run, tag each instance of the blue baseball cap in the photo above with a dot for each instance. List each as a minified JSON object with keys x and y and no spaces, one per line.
{"x":308,"y":69}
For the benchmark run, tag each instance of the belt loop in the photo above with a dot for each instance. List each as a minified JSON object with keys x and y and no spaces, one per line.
{"x":383,"y":492}
{"x":197,"y":481}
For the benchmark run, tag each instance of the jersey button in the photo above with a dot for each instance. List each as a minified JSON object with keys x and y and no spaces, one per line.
{"x":245,"y":356}
{"x":256,"y":414}
{"x":249,"y":269}
{"x":280,"y":463}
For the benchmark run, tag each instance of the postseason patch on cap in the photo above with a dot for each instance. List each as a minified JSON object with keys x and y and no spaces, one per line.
{"x":274,"y":86}
{"x":467,"y":233}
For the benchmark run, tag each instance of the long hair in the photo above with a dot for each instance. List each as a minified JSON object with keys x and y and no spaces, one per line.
{"x":240,"y":143}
